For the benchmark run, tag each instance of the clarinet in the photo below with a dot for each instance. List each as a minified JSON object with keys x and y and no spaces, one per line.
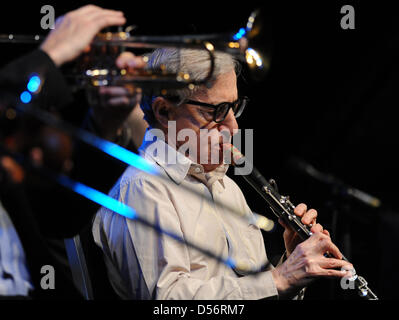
{"x":282,"y":207}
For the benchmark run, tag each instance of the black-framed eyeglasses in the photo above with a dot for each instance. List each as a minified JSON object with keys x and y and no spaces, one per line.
{"x":221,"y":110}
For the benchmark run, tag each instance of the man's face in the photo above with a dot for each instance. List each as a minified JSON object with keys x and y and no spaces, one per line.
{"x":199,"y":120}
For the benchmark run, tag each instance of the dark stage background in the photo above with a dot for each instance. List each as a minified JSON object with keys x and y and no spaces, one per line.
{"x":330,"y":98}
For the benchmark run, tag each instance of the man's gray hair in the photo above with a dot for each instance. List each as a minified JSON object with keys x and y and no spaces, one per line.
{"x":195,"y":63}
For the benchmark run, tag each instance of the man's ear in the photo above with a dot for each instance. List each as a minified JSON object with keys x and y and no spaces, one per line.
{"x":162,"y":110}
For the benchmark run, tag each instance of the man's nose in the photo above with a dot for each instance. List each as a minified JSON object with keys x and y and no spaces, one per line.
{"x":229,"y":123}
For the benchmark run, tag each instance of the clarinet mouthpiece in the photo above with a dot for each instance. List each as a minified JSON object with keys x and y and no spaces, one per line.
{"x":232,"y":155}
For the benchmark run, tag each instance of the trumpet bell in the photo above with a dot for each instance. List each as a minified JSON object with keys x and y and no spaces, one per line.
{"x":256,"y":39}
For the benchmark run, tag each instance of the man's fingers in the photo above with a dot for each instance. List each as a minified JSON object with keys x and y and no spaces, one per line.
{"x":309,"y":216}
{"x":104,"y":13}
{"x":328,"y":246}
{"x":300,"y":209}
{"x":90,"y":9}
{"x":86,"y":9}
{"x":331,"y":263}
{"x":107,"y":12}
{"x":107,"y":20}
{"x":282,"y":223}
{"x":121,"y":102}
{"x":331,"y":273}
{"x":58,"y":21}
{"x":322,"y":243}
{"x":130,"y":61}
{"x":98,"y":18}
{"x":114,"y":91}
{"x":96,"y":14}
{"x":317,"y":228}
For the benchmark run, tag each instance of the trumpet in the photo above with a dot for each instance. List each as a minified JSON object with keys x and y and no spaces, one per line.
{"x":97,"y":67}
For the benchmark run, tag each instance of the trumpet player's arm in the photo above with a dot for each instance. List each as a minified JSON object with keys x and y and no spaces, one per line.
{"x":115,"y":112}
{"x":74,"y":32}
{"x":14,"y":77}
{"x":72,"y":35}
{"x":55,"y":94}
{"x":115,"y":115}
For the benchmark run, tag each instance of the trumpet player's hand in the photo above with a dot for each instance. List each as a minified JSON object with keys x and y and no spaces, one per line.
{"x":308,"y":217}
{"x":115,"y":105}
{"x":307,"y":263}
{"x":74,"y":32}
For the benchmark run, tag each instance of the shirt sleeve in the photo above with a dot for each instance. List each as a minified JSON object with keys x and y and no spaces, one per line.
{"x":165,"y":263}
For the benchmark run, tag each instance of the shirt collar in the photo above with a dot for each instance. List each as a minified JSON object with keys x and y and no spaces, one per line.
{"x":209,"y":178}
{"x":175,"y":164}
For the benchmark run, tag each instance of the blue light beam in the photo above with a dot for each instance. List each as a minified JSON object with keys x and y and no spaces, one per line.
{"x":98,"y":197}
{"x":122,"y":154}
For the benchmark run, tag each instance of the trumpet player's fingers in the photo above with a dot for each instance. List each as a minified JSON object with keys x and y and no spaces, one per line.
{"x":127,"y":60}
{"x":91,"y":8}
{"x":97,"y":18}
{"x":111,"y":91}
{"x":92,"y":12}
{"x":76,"y":30}
{"x":119,"y":96}
{"x":105,"y":19}
{"x":123,"y":101}
{"x":114,"y":91}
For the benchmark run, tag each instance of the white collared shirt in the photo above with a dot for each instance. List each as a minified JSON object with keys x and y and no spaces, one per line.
{"x":145,"y":265}
{"x":12,"y":260}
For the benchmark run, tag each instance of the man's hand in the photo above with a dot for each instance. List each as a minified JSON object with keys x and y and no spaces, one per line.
{"x":307,"y":263}
{"x":308,"y":217}
{"x":112,"y":106}
{"x":74,"y":32}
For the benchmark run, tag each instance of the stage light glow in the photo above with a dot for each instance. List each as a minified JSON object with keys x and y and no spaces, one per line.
{"x":33,"y":84}
{"x":25,"y":97}
{"x":252,"y":55}
{"x":239,"y":34}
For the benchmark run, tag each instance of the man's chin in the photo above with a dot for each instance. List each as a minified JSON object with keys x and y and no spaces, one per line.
{"x":215,"y":158}
{"x":210,"y":167}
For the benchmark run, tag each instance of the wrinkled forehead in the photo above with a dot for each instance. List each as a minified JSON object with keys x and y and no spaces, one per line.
{"x":224,"y":88}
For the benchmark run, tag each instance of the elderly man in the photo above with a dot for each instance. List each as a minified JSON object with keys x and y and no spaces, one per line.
{"x":145,"y":265}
